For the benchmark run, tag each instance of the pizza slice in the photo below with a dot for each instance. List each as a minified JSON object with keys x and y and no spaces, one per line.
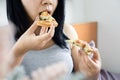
{"x":82,"y":44}
{"x":46,"y":20}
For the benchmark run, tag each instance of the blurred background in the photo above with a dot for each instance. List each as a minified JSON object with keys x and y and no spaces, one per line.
{"x":107,"y":15}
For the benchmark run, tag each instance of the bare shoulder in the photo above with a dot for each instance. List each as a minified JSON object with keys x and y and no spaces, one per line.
{"x":70,"y":32}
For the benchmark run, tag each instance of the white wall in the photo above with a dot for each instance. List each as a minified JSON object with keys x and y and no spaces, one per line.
{"x":71,"y":13}
{"x":78,"y":12}
{"x":68,"y":11}
{"x":3,"y":18}
{"x":107,"y":13}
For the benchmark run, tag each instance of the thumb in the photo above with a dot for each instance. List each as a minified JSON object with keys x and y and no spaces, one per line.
{"x":34,"y":26}
{"x":92,"y":43}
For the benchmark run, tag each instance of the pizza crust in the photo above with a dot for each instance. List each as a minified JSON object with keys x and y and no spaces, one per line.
{"x":46,"y":20}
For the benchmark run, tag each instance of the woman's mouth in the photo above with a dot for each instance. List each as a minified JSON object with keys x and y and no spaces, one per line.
{"x":46,"y":11}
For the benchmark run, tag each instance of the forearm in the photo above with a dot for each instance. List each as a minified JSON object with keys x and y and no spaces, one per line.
{"x":16,"y":55}
{"x":15,"y":61}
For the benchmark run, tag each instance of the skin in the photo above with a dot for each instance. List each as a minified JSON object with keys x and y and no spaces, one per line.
{"x":91,"y":67}
{"x":36,"y":6}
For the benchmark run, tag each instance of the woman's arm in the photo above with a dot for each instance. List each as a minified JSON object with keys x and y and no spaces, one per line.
{"x":90,"y":66}
{"x":70,"y":32}
{"x":30,"y":41}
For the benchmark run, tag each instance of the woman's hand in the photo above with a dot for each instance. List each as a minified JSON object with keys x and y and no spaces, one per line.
{"x":30,"y":41}
{"x":90,"y":66}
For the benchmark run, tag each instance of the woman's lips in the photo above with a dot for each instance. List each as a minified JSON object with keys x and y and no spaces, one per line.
{"x":46,"y":11}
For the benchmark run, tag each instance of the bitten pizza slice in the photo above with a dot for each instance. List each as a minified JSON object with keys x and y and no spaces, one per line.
{"x":82,"y":44}
{"x":46,"y":20}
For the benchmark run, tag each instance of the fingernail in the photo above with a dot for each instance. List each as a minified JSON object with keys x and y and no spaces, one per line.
{"x":92,"y":43}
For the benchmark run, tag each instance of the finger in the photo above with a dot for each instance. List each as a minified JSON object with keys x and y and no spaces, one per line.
{"x":92,"y":44}
{"x":34,"y":26}
{"x":86,"y":60}
{"x":96,"y":55}
{"x":42,"y":30}
{"x":91,"y":63}
{"x":83,"y":63}
{"x":89,"y":60}
{"x":46,"y":30}
{"x":94,"y":67}
{"x":44,"y":38}
{"x":84,"y":68}
{"x":94,"y":64}
{"x":82,"y":56}
{"x":87,"y":64}
{"x":50,"y":34}
{"x":51,"y":31}
{"x":83,"y":53}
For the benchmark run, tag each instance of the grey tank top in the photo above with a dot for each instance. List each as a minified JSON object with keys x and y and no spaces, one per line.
{"x":36,"y":59}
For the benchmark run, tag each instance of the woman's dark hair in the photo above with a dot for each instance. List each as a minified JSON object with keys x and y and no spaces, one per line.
{"x":17,"y":14}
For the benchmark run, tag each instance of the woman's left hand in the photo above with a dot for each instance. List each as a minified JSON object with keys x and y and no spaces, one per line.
{"x":89,"y":66}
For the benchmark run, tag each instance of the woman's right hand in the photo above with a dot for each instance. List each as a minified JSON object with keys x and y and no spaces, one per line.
{"x":30,"y":41}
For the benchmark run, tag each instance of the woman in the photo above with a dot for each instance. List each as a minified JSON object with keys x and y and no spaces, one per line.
{"x":38,"y":47}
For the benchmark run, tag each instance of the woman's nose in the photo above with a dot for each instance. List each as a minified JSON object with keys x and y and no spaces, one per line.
{"x":47,"y":2}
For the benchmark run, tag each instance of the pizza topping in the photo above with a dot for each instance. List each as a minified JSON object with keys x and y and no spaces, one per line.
{"x":44,"y":16}
{"x":45,"y":19}
{"x":82,"y":44}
